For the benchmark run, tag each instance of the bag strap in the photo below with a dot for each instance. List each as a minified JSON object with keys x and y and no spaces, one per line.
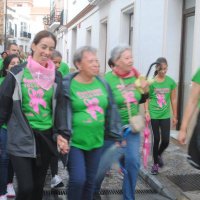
{"x":127,"y":103}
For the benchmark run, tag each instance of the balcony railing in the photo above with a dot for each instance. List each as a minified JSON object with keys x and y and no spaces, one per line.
{"x":25,"y":34}
{"x":55,"y":16}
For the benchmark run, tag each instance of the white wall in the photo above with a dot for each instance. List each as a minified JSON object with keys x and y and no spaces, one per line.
{"x":157,"y":30}
{"x":109,"y":11}
{"x":172,"y":36}
{"x":157,"y":33}
{"x":43,"y":3}
{"x":148,"y":38}
{"x":196,"y":46}
{"x":75,"y":7}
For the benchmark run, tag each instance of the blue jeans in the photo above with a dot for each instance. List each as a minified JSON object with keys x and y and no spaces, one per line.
{"x":3,"y":161}
{"x":82,"y":167}
{"x":106,"y":162}
{"x":132,"y":165}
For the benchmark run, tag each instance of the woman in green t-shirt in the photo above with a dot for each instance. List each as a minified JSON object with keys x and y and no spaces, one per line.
{"x":31,"y":103}
{"x":192,"y":105}
{"x":162,"y":95}
{"x":5,"y":178}
{"x":60,"y":65}
{"x":91,"y":118}
{"x":122,"y":82}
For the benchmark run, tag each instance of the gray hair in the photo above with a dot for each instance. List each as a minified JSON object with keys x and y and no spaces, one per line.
{"x":78,"y":55}
{"x":56,"y":54}
{"x":117,"y":52}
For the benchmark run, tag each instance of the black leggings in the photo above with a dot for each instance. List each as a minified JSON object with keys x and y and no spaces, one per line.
{"x":30,"y":175}
{"x":10,"y":172}
{"x":161,"y":133}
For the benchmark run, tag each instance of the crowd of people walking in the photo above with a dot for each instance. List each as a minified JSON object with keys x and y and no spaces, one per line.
{"x":46,"y":111}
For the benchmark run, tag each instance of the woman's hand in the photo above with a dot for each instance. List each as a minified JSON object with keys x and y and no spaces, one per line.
{"x":62,"y":144}
{"x":145,"y":85}
{"x":174,"y":121}
{"x":182,"y":136}
{"x":147,"y":116}
{"x":142,"y":84}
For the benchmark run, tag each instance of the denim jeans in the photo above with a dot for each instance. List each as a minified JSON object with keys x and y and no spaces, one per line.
{"x":3,"y":161}
{"x":132,"y":165}
{"x":109,"y":156}
{"x":82,"y":168}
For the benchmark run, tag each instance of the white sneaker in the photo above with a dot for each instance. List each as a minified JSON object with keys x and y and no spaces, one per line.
{"x":3,"y":197}
{"x":10,"y":191}
{"x":56,"y":181}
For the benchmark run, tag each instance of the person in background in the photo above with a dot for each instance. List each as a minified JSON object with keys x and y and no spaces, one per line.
{"x":192,"y":104}
{"x":92,"y":116}
{"x":110,"y":63}
{"x":12,"y":48}
{"x":34,"y":115}
{"x":9,"y":62}
{"x":121,"y":81}
{"x":60,"y":65}
{"x":22,"y":56}
{"x":162,"y":95}
{"x":3,"y":56}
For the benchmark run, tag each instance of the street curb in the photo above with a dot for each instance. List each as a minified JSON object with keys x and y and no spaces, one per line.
{"x":156,"y":184}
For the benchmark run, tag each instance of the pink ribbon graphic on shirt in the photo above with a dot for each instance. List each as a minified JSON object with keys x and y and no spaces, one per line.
{"x":120,"y":87}
{"x":36,"y":97}
{"x":93,"y":107}
{"x":129,"y":97}
{"x":161,"y":100}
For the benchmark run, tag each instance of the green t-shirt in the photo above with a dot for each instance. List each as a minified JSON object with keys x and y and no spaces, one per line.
{"x":89,"y":103}
{"x":36,"y":103}
{"x":1,"y":64}
{"x":122,"y":95}
{"x":63,"y":69}
{"x":196,"y":79}
{"x":1,"y":80}
{"x":160,"y":98}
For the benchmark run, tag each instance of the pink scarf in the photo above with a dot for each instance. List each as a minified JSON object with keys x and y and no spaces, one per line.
{"x":44,"y":76}
{"x":133,"y":72}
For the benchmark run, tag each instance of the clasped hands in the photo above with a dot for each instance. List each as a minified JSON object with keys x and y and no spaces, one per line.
{"x":62,"y":144}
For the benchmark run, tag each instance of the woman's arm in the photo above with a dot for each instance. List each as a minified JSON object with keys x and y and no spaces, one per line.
{"x":174,"y":106}
{"x":190,"y":108}
{"x":61,"y":133}
{"x":146,"y":110}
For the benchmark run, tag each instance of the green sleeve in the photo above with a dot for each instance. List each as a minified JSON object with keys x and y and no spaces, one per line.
{"x":1,"y":64}
{"x":63,"y":69}
{"x":173,"y":84}
{"x":196,"y":77}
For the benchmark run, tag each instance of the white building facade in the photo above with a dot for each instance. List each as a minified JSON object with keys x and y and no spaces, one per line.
{"x":23,"y":20}
{"x":167,"y":28}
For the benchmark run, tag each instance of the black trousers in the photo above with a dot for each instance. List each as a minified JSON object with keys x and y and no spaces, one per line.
{"x":161,"y":135}
{"x":54,"y":166}
{"x":30,"y":173}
